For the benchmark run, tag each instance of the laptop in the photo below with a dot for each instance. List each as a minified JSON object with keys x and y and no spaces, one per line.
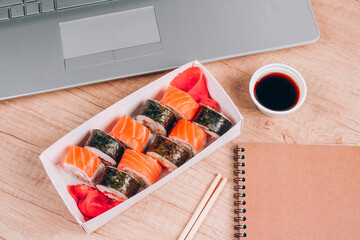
{"x":54,"y":44}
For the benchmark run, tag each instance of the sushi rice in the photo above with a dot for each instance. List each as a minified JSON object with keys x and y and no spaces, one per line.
{"x":208,"y":132}
{"x":111,"y":193}
{"x":80,"y":174}
{"x":106,"y":158}
{"x":154,"y":126}
{"x":169,"y":166}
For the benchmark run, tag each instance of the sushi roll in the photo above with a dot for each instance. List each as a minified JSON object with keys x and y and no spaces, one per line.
{"x":132,"y":134}
{"x":181,"y":102}
{"x":213,"y":123}
{"x":143,"y":167}
{"x":118,"y":185}
{"x":158,"y":118}
{"x":84,"y":164}
{"x":188,"y":134}
{"x":168,"y":153}
{"x":106,"y":147}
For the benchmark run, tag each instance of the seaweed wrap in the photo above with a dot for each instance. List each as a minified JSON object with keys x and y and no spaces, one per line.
{"x":106,"y":147}
{"x":158,"y":118}
{"x":213,"y":123}
{"x":168,"y":153}
{"x":118,"y":185}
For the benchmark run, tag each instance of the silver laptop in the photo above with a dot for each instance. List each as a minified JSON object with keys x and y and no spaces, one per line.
{"x":53,"y":44}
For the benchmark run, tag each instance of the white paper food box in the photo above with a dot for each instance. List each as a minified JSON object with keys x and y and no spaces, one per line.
{"x":105,"y":120}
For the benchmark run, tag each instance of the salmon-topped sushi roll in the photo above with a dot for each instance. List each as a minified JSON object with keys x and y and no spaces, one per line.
{"x":181,"y":102}
{"x":131,"y":133}
{"x":189,"y":134}
{"x":143,"y":167}
{"x":84,"y":164}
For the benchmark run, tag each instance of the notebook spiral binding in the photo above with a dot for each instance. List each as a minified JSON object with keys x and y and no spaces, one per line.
{"x":239,"y":194}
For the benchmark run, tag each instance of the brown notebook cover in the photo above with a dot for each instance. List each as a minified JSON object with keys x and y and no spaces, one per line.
{"x":301,"y":191}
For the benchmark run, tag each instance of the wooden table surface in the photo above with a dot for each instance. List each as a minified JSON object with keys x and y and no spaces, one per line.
{"x":32,"y":209}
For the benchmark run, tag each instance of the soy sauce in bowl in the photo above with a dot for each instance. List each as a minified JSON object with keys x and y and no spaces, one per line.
{"x":277,"y":91}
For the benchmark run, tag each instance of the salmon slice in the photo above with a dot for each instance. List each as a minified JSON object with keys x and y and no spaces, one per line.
{"x":181,"y":102}
{"x":131,"y":133}
{"x":188,"y":133}
{"x":84,"y":164}
{"x":141,"y":166}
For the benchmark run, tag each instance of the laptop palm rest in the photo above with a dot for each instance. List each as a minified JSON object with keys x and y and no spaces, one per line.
{"x":111,"y":37}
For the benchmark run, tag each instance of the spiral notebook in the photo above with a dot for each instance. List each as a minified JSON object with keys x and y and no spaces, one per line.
{"x":291,"y":191}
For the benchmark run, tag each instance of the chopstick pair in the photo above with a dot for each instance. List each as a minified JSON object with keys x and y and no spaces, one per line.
{"x":203,"y":208}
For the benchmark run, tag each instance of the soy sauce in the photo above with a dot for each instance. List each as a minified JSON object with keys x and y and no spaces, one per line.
{"x":277,"y":91}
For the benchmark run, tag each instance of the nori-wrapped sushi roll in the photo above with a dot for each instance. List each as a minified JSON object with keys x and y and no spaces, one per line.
{"x":169,"y":153}
{"x":158,"y":118}
{"x":106,"y":147}
{"x":213,"y":123}
{"x":118,"y":185}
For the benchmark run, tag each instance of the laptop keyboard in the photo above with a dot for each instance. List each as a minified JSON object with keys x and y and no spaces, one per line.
{"x":13,"y":9}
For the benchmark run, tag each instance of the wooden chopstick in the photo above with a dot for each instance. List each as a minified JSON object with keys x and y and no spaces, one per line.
{"x":200,"y":207}
{"x":203,"y":208}
{"x":206,"y":210}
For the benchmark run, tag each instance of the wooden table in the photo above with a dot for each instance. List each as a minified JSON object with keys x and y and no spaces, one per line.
{"x":32,"y":209}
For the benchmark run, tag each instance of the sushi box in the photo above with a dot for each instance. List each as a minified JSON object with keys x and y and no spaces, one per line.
{"x":131,"y":105}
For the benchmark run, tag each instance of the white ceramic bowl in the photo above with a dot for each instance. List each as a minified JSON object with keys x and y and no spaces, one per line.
{"x":278,"y":68}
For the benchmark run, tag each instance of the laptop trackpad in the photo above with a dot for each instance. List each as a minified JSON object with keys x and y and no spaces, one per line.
{"x":110,"y":37}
